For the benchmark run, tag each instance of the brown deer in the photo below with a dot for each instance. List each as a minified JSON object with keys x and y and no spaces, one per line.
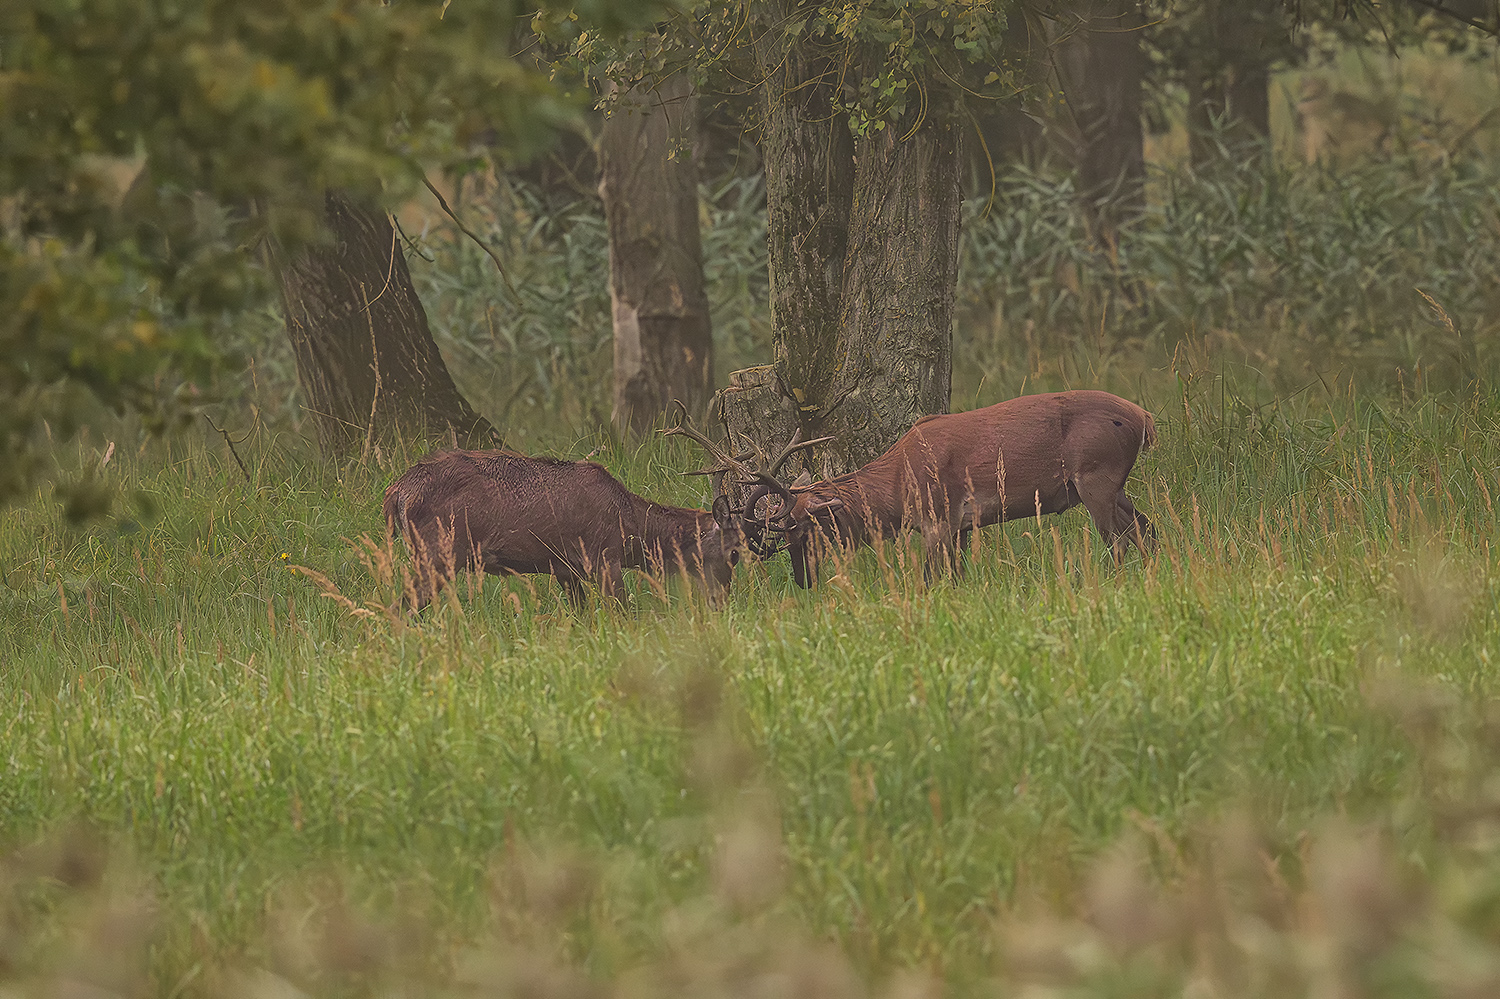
{"x":951,"y":474}
{"x":508,"y":514}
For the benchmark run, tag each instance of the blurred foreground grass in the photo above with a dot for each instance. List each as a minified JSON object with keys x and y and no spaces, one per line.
{"x":1258,"y":764}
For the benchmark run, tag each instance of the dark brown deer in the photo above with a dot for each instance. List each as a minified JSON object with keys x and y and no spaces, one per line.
{"x":951,"y":474}
{"x":506,"y":513}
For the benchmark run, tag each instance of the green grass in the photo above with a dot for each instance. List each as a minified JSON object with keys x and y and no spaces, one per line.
{"x":930,"y":757}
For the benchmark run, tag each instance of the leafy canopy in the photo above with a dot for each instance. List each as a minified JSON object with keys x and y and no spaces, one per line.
{"x":147,"y":147}
{"x":890,"y":54}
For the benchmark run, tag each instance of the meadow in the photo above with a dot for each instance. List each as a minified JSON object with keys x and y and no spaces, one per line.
{"x":1257,"y":763}
{"x":222,"y":755}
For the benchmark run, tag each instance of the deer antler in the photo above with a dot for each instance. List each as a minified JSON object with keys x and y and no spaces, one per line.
{"x":725,"y":462}
{"x":796,"y":444}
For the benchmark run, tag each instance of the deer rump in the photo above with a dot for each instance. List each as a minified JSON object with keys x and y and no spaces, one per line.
{"x":953,"y":473}
{"x":509,"y":514}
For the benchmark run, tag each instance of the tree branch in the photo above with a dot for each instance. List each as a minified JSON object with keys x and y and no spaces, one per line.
{"x":443,"y":203}
{"x":1436,"y":5}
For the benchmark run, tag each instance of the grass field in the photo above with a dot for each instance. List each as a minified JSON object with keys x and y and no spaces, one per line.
{"x":212,"y":767}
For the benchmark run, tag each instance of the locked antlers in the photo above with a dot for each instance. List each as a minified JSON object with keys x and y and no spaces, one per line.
{"x":744,"y":473}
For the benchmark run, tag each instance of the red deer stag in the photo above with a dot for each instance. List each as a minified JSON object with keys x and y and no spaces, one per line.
{"x":953,"y":473}
{"x":507,"y":514}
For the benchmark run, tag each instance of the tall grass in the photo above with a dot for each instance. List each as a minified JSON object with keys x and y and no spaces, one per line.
{"x":872,"y":776}
{"x":1294,"y":270}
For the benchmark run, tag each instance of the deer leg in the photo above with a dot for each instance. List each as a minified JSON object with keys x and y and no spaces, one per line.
{"x":424,"y":588}
{"x":940,"y":555}
{"x":430,"y":572}
{"x":1101,"y":498}
{"x":1138,"y":529}
{"x":576,"y":592}
{"x":612,"y":579}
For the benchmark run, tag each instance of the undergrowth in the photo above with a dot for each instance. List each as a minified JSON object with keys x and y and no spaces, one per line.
{"x":1291,"y":275}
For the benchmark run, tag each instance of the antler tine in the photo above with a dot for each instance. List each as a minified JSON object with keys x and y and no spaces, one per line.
{"x":794,"y":446}
{"x":684,"y":428}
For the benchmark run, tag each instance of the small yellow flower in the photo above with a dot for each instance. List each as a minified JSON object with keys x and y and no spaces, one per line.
{"x":283,"y":556}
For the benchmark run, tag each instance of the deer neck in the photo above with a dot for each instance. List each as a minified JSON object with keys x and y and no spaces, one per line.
{"x":675,"y":532}
{"x":871,"y":505}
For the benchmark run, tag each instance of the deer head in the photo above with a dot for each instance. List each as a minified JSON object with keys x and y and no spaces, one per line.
{"x":754,"y":531}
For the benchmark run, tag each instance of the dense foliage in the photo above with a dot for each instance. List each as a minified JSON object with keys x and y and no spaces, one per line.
{"x":148,"y":148}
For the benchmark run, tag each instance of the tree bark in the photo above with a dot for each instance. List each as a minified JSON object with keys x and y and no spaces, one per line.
{"x":366,"y":360}
{"x":894,"y":358}
{"x":1101,"y":66}
{"x":863,"y":252}
{"x":809,"y":158}
{"x":754,"y":406}
{"x":663,"y":336}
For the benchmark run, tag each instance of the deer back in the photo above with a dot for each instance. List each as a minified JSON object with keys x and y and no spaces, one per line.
{"x":536,"y":511}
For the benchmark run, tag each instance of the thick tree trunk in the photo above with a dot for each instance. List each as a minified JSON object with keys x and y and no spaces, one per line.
{"x":809,"y":157}
{"x":663,"y":338}
{"x":1101,"y":66}
{"x":894,"y":358}
{"x":366,"y":360}
{"x":863,"y":259}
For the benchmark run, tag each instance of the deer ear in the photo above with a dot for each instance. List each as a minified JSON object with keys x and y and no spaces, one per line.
{"x":833,"y":504}
{"x":802,"y":481}
{"x":723,"y":515}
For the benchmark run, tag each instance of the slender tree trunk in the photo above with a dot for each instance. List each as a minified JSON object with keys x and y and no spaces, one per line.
{"x":663,"y":337}
{"x":1101,"y":66}
{"x":366,"y":360}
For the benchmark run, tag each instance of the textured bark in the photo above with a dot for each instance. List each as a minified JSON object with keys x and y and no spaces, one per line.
{"x":366,"y":360}
{"x":663,"y":339}
{"x":863,"y":251}
{"x":894,"y":361}
{"x":754,"y":406}
{"x":809,"y":157}
{"x":1101,"y":67}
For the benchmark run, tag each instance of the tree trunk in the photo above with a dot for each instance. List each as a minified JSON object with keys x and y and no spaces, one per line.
{"x":809,"y":158}
{"x":863,"y":260}
{"x":894,"y":358}
{"x":663,"y":338}
{"x":366,"y":360}
{"x":1101,"y":66}
{"x":1229,"y":82}
{"x":754,"y":406}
